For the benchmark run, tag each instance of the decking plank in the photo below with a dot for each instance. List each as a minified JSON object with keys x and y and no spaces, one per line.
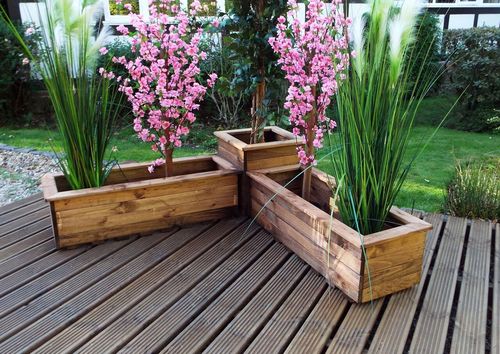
{"x":135,"y":259}
{"x":23,"y":221}
{"x":495,"y":326}
{"x":31,"y":255}
{"x":12,"y":207}
{"x":197,"y":335}
{"x":103,"y":315}
{"x":314,"y":334}
{"x":36,"y":271}
{"x":394,"y":327}
{"x":242,"y":329}
{"x":188,"y":287}
{"x":25,"y":232}
{"x":24,"y":210}
{"x":432,"y":326}
{"x":26,"y":244}
{"x":469,"y":334}
{"x":285,"y":322}
{"x":355,"y":329}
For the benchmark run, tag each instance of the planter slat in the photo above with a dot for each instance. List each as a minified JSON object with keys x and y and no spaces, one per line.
{"x":203,"y":188}
{"x":393,"y":256}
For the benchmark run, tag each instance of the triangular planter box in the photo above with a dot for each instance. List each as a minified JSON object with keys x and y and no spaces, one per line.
{"x":133,"y":201}
{"x":391,"y":260}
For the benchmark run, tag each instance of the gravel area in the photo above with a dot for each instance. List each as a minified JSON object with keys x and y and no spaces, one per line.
{"x":20,"y":173}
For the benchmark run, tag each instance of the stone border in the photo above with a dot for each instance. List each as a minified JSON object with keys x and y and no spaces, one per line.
{"x":6,"y":147}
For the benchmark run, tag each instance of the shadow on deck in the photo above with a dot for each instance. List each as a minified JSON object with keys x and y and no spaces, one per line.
{"x":212,"y":288}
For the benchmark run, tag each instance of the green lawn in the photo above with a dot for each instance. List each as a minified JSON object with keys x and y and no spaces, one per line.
{"x":423,"y":189}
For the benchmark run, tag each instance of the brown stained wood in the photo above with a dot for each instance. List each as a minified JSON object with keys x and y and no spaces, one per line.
{"x":14,"y":206}
{"x":317,"y":328}
{"x":23,"y":221}
{"x":355,"y":329}
{"x":285,"y":322}
{"x":431,"y":329}
{"x":272,"y":161}
{"x":25,"y":244}
{"x":495,"y":326}
{"x":26,"y":258}
{"x":103,"y":315}
{"x":148,"y":252}
{"x":394,"y":327}
{"x":469,"y":334}
{"x":22,"y":233}
{"x":247,"y":323}
{"x":23,"y":211}
{"x":167,"y":315}
{"x":337,"y":273}
{"x":197,"y":335}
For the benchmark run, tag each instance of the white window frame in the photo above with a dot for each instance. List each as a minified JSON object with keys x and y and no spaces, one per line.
{"x":144,"y":10}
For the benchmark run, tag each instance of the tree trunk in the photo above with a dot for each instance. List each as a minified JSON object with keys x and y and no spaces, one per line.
{"x":169,"y":164}
{"x":311,"y":122}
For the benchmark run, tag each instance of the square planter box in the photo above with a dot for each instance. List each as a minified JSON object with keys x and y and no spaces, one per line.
{"x":133,"y":201}
{"x":394,"y":255}
{"x":279,"y":148}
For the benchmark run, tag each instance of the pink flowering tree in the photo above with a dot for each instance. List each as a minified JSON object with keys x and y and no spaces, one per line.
{"x":163,"y":86}
{"x":314,"y":56}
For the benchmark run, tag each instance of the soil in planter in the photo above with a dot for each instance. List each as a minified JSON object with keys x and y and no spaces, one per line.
{"x":269,"y":136}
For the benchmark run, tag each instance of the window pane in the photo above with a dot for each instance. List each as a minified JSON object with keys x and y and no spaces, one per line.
{"x":115,"y":9}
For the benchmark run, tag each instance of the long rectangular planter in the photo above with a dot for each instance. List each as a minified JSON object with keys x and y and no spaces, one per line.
{"x":133,"y":201}
{"x":279,"y":148}
{"x":391,"y":260}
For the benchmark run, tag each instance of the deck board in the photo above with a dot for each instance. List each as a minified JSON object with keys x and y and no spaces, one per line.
{"x":213,"y":288}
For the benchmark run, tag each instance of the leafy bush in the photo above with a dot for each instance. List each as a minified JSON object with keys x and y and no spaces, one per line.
{"x":14,"y":76}
{"x":474,"y":56}
{"x":474,"y":190}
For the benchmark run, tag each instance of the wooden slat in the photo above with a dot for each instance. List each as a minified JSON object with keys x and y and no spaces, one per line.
{"x":197,"y":335}
{"x":123,"y":252}
{"x":353,"y":333}
{"x":23,"y":221}
{"x":132,"y":261}
{"x":25,"y":244}
{"x":286,"y":320}
{"x":12,"y":207}
{"x":317,"y":328}
{"x":469,"y":334}
{"x":495,"y":327}
{"x":161,"y":306}
{"x":104,"y":314}
{"x":23,"y":211}
{"x":24,"y":232}
{"x":395,"y":325}
{"x":431,"y":330}
{"x":25,"y":258}
{"x":36,"y":270}
{"x":247,"y":323}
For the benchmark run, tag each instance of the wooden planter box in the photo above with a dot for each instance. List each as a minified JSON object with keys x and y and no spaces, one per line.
{"x":394,"y":256}
{"x":133,"y":201}
{"x":279,"y":148}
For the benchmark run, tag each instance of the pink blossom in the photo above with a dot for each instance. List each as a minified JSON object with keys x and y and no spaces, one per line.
{"x":128,"y":7}
{"x":103,"y":51}
{"x":123,"y":30}
{"x":29,"y":31}
{"x":216,"y":23}
{"x":314,"y":56}
{"x":162,"y":84}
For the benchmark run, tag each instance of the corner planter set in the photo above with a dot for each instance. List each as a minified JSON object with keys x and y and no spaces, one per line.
{"x":243,"y":178}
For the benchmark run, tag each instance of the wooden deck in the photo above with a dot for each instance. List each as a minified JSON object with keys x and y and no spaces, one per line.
{"x":214,"y":288}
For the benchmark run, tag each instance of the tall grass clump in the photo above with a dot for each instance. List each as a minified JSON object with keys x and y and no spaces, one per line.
{"x":376,"y":112}
{"x":474,"y":190}
{"x":82,"y":100}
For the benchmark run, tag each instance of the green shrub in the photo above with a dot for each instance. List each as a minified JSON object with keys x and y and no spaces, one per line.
{"x":474,"y":190}
{"x":14,"y":76}
{"x":473,"y":68}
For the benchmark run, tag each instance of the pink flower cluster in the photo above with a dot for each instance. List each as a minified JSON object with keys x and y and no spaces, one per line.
{"x":314,"y":55}
{"x":163,"y":85}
